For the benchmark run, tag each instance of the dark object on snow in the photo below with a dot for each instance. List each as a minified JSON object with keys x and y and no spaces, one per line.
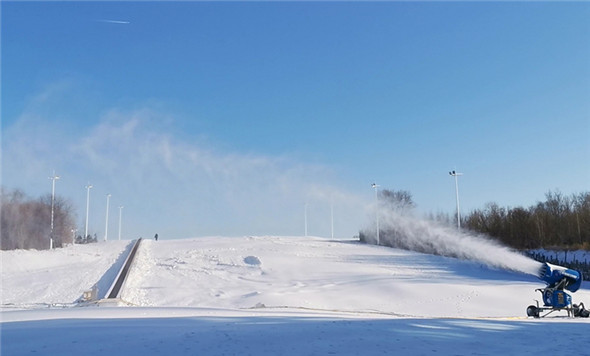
{"x":156,"y":237}
{"x":580,"y":311}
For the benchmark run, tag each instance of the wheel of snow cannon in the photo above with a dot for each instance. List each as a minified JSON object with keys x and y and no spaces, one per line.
{"x":580,"y":311}
{"x":576,"y":310}
{"x":532,"y":311}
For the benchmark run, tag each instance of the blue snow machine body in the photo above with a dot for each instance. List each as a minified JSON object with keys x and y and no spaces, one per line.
{"x":559,"y":280}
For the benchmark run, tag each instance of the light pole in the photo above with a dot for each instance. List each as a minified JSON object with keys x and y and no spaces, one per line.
{"x":376,"y":186}
{"x":332,"y":219}
{"x":120,"y":213}
{"x":456,"y":174}
{"x":53,"y":179}
{"x":305,"y":216}
{"x":88,"y":187}
{"x":106,"y":228}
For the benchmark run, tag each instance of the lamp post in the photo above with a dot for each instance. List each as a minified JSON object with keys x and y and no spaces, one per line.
{"x":106,"y":228}
{"x":305,"y":217}
{"x":88,"y":187}
{"x":332,"y":219}
{"x":53,"y":179}
{"x":376,"y":186}
{"x":120,"y":213}
{"x":456,"y":174}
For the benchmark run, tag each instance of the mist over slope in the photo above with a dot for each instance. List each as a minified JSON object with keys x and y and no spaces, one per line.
{"x":402,"y":230}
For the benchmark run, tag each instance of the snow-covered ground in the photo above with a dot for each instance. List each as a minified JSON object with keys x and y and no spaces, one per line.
{"x":295,"y":272}
{"x":32,"y":278}
{"x":274,"y":295}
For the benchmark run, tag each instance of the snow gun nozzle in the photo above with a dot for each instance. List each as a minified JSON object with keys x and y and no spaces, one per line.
{"x":560,"y":277}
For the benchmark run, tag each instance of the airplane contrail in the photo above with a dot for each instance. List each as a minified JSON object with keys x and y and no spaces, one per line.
{"x":115,"y":21}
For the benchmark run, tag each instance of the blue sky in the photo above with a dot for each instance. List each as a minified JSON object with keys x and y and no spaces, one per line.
{"x":226,"y":118}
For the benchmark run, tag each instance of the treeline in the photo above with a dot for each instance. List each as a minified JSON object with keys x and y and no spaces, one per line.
{"x":25,"y":223}
{"x":561,"y":222}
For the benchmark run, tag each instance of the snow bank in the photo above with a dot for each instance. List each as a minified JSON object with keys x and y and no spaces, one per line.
{"x":32,"y":278}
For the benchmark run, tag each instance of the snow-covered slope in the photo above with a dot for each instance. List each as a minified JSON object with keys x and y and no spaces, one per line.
{"x":274,"y":295}
{"x":32,"y":278}
{"x":316,"y":273}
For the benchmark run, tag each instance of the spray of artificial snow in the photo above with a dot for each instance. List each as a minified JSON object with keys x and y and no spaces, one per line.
{"x":404,"y":231}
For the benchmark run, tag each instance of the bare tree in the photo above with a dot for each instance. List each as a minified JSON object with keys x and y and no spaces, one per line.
{"x":25,"y":223}
{"x":396,"y":200}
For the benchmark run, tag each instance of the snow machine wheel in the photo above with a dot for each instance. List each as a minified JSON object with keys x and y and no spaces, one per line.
{"x":532,"y":311}
{"x":580,"y":312}
{"x":576,"y":309}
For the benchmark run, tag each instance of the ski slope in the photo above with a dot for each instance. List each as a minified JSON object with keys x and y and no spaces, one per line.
{"x":314,"y":273}
{"x":47,"y":278}
{"x":274,"y":295}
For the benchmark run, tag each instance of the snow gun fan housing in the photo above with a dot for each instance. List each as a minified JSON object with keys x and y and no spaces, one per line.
{"x":560,"y":277}
{"x":559,"y":280}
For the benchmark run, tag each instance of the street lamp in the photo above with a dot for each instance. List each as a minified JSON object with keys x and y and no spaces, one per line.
{"x":456,"y":174}
{"x":376,"y":186}
{"x":88,"y":187}
{"x":53,"y":179}
{"x":305,"y":216}
{"x":332,"y":219}
{"x":106,"y":228}
{"x":120,"y":213}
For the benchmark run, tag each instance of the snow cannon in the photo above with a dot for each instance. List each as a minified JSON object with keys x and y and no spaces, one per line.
{"x":555,"y":298}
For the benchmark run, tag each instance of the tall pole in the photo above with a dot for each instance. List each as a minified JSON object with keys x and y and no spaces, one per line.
{"x":106,"y":228}
{"x":53,"y":179}
{"x":88,"y":187}
{"x":376,"y":186}
{"x":120,"y":213}
{"x":456,"y":174}
{"x":305,"y":216}
{"x":332,"y":219}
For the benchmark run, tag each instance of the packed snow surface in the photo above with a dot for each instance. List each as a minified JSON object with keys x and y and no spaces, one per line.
{"x":273,"y":295}
{"x":32,"y":278}
{"x":342,"y":275}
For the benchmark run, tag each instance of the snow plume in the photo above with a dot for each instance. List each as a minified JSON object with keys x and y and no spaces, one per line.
{"x":402,"y":230}
{"x":176,"y":183}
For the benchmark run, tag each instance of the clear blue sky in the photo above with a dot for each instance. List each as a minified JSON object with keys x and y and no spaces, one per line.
{"x":226,"y":118}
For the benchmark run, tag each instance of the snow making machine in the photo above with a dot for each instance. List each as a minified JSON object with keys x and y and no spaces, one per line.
{"x":555,"y":297}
